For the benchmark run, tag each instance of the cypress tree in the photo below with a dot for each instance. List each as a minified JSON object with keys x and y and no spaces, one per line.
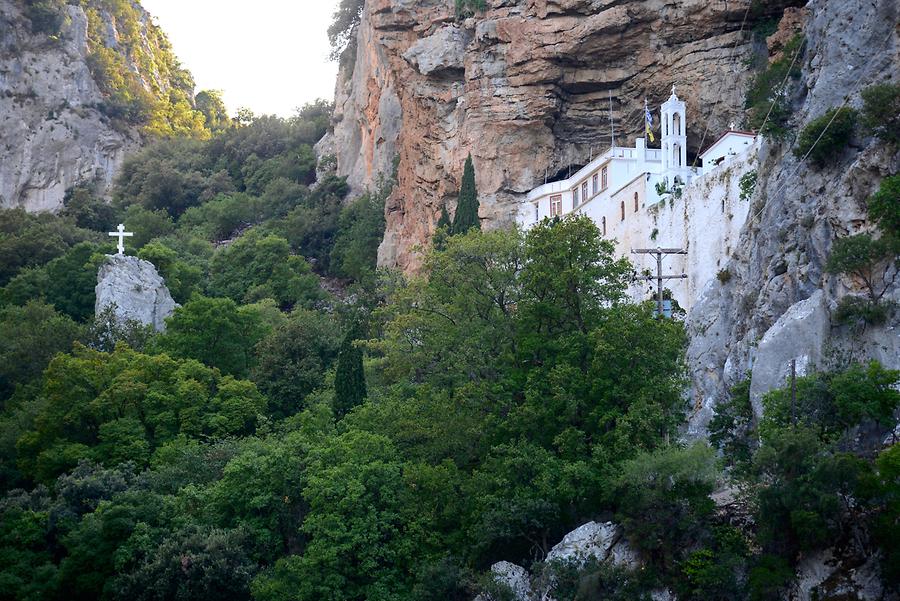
{"x":349,"y":377}
{"x":444,"y":219}
{"x":466,"y":216}
{"x":439,"y":240}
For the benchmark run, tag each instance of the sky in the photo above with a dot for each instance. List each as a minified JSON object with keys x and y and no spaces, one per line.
{"x":270,"y":56}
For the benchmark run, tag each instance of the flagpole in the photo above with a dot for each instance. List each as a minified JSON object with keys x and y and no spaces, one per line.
{"x":612,"y":124}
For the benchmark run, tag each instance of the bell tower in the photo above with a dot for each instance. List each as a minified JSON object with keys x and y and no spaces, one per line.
{"x":674,"y":135}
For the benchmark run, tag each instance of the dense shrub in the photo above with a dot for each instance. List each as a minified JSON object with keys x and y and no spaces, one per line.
{"x":881,"y":111}
{"x":769,"y":92}
{"x":824,"y":138}
{"x":884,"y":205}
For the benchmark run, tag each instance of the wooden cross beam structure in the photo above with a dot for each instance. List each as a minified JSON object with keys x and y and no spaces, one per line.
{"x":659,"y":253}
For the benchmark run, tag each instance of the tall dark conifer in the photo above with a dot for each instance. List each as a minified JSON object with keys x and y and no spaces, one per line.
{"x":466,"y":216}
{"x":349,"y":377}
{"x":439,"y":240}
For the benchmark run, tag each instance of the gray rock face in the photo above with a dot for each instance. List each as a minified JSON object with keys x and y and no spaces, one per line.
{"x":779,"y":303}
{"x":135,"y":290}
{"x":54,"y":137}
{"x":444,"y":49}
{"x":595,"y":541}
{"x":799,"y":336}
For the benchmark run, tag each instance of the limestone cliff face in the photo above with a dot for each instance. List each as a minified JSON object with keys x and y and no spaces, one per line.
{"x":52,"y":133}
{"x":525,"y":87}
{"x":780,"y":304}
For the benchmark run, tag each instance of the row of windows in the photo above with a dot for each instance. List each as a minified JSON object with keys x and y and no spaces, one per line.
{"x":556,"y":209}
{"x":599,"y":182}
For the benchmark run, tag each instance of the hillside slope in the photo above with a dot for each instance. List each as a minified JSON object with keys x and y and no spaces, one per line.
{"x":79,"y":84}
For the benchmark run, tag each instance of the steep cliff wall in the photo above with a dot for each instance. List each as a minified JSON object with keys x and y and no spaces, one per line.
{"x":61,"y":124}
{"x":779,"y":304}
{"x":525,"y":87}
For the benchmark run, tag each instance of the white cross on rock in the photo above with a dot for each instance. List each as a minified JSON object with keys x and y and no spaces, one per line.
{"x":121,"y":234}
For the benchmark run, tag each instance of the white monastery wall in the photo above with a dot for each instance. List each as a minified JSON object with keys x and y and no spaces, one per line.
{"x":706,"y":221}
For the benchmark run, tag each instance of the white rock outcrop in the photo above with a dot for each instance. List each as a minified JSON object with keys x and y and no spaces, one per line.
{"x":601,"y":541}
{"x":135,"y":290}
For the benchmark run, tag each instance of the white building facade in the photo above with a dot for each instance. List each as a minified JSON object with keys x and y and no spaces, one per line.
{"x":644,"y":198}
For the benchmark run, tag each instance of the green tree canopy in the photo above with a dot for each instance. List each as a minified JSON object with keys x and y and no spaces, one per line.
{"x":120,"y":406}
{"x":215,"y":331}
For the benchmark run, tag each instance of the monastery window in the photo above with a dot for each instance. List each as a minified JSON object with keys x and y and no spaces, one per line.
{"x":556,"y":205}
{"x":635,"y":202}
{"x":676,"y":124}
{"x":604,"y":226}
{"x":723,"y":205}
{"x":584,"y":192}
{"x":623,"y":210}
{"x":537,"y":213}
{"x":575,"y":197}
{"x":604,"y":178}
{"x":595,"y":182}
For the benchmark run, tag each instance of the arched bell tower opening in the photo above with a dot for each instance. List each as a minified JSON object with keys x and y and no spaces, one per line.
{"x":674,"y":138}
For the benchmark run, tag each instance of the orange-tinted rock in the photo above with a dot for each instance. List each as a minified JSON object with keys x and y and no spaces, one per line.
{"x":525,"y":87}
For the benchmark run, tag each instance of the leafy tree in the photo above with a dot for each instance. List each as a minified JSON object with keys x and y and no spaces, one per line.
{"x":67,"y":282}
{"x":466,"y":215}
{"x":192,"y":564}
{"x":886,"y":523}
{"x":358,"y":493}
{"x":569,"y":278}
{"x":833,"y":402}
{"x":825,"y":137}
{"x":870,"y":260}
{"x":801,"y":507}
{"x":146,"y":225}
{"x":30,"y":336}
{"x":107,"y":329}
{"x":117,"y":407}
{"x":360,"y":232}
{"x":255,"y":267}
{"x":293,"y":358}
{"x":731,"y":430}
{"x":457,"y":323}
{"x":523,"y":499}
{"x":211,"y":104}
{"x":663,"y":498}
{"x":881,"y":111}
{"x":182,"y":279}
{"x":216,"y":332}
{"x":82,"y":205}
{"x":33,"y":240}
{"x":344,"y":23}
{"x":884,"y":205}
{"x":350,"y":375}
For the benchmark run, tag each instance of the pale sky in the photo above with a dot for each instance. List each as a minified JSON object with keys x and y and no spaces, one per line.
{"x":270,"y":56}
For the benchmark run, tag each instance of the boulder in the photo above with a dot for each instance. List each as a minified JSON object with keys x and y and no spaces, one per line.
{"x":513,"y":576}
{"x":444,"y":49}
{"x":135,"y":291}
{"x":602,"y":541}
{"x":798,"y":335}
